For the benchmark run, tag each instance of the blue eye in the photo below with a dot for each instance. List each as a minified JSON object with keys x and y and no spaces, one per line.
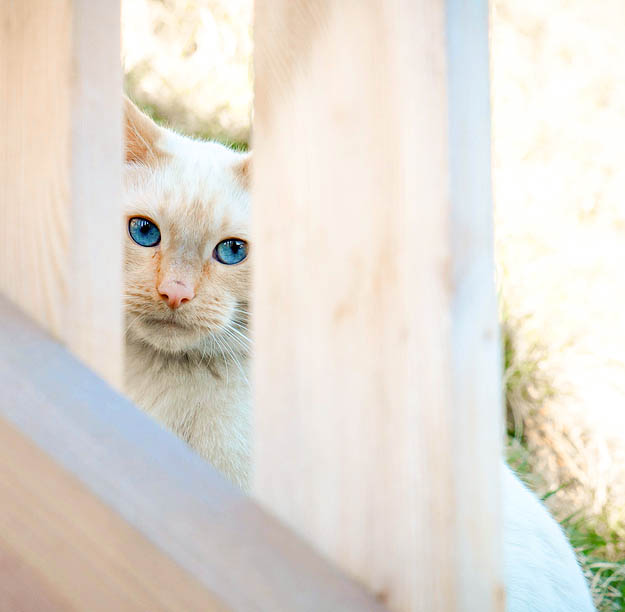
{"x":231,"y":251}
{"x":144,"y":232}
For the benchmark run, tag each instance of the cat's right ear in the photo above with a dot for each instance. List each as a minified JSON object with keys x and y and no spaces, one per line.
{"x":243,"y":170}
{"x":141,"y":135}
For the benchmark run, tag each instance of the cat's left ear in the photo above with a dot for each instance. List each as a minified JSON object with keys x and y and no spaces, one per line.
{"x":243,"y":170}
{"x":141,"y":135}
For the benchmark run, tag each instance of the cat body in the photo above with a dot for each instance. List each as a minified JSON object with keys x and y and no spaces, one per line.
{"x":541,"y":573}
{"x":207,"y":405}
{"x":187,"y":353}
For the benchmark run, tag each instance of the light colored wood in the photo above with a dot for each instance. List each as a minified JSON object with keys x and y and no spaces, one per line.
{"x":377,"y":394}
{"x":79,"y":554}
{"x":122,"y":487}
{"x":60,"y":172}
{"x":476,"y":349}
{"x":93,"y":322}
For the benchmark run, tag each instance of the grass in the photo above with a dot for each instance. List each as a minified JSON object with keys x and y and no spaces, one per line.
{"x":599,"y":545}
{"x":153,"y":112}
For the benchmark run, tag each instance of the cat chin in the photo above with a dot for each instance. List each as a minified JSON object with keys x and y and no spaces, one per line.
{"x":167,"y":339}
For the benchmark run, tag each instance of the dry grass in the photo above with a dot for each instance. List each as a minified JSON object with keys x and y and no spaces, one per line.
{"x":558,"y":72}
{"x":190,"y":63}
{"x":599,"y":544}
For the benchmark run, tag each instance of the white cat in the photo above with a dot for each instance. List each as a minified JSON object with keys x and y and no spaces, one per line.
{"x":187,"y":286}
{"x":541,"y":573}
{"x":186,"y":281}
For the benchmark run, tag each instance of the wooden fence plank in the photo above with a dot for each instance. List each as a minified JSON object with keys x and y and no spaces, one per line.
{"x":368,"y":363}
{"x":476,"y":350}
{"x":80,"y":554}
{"x":60,"y":172}
{"x":151,"y":479}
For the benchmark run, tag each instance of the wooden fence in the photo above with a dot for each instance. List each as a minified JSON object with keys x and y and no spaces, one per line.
{"x":376,"y":376}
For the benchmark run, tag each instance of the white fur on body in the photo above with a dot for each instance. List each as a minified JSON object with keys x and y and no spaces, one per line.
{"x":541,"y":573}
{"x":205,"y":402}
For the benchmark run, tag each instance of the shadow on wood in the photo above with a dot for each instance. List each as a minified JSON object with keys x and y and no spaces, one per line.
{"x":91,"y":479}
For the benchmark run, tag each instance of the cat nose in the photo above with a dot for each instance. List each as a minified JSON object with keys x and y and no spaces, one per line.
{"x":175,"y":293}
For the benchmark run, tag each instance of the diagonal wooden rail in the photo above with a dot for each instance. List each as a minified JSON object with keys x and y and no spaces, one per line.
{"x":104,"y":510}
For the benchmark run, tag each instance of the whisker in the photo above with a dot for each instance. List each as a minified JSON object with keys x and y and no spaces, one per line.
{"x":242,"y":310}
{"x":238,"y":364}
{"x":240,"y":334}
{"x":228,"y":332}
{"x":129,"y":325}
{"x":219,"y":344}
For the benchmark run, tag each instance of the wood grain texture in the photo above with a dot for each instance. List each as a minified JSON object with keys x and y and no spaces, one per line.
{"x":60,"y":172}
{"x":131,"y":469}
{"x":93,"y":321}
{"x":79,"y":554}
{"x":376,"y":373}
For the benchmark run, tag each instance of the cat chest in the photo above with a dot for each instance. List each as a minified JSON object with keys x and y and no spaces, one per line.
{"x":178,"y":397}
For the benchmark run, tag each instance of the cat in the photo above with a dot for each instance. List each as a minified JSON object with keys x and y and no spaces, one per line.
{"x":187,"y":350}
{"x":186,"y":285}
{"x":541,"y":573}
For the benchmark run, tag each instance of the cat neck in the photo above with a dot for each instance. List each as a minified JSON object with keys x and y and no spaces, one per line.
{"x":225,"y":367}
{"x":204,"y":399}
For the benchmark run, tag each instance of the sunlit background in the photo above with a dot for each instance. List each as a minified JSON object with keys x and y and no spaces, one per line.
{"x":190,"y":63}
{"x":558,"y":109}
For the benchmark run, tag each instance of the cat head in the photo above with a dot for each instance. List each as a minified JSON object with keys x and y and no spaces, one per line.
{"x":187,"y":255}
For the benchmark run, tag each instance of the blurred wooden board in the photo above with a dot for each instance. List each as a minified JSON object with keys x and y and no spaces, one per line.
{"x":70,"y":551}
{"x":60,"y":172}
{"x":108,"y":467}
{"x":377,"y":366}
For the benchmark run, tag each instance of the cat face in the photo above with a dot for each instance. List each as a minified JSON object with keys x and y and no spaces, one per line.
{"x":187,"y":256}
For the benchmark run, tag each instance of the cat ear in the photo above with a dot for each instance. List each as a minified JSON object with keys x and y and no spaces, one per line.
{"x":243,"y":170}
{"x":141,"y":135}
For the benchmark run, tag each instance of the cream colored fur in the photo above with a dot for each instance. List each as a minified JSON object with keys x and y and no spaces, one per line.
{"x":188,"y":367}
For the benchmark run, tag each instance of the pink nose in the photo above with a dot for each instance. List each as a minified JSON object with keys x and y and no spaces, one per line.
{"x":175,"y":293}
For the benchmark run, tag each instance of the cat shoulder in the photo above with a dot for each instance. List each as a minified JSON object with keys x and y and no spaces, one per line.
{"x":540,"y":568}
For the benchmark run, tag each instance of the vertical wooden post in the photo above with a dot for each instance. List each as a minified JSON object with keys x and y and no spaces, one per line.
{"x":377,"y":391}
{"x":60,"y":172}
{"x":476,"y":353}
